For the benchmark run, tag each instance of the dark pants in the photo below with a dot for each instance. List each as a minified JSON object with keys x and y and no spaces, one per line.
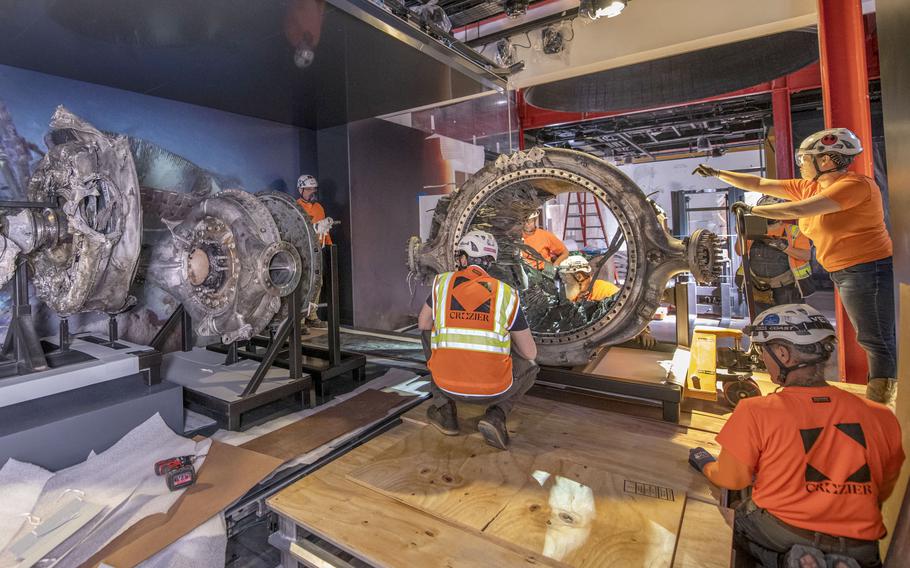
{"x":768,"y":539}
{"x":524,"y":373}
{"x":867,"y":292}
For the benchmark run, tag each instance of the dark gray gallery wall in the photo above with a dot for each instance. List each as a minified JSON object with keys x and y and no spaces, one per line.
{"x":386,"y":178}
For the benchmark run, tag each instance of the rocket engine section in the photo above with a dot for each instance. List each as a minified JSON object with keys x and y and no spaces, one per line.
{"x":499,"y":198}
{"x":84,"y":248}
{"x":226,"y":262}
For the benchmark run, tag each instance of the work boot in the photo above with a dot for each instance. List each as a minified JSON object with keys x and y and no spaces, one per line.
{"x":882,"y":390}
{"x":493,"y":428}
{"x":444,"y":417}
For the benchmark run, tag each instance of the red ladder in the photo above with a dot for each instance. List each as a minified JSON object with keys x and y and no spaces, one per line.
{"x":584,"y":201}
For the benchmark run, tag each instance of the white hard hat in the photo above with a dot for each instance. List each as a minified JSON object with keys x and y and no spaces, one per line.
{"x":534,"y":214}
{"x":800,"y":324}
{"x":306,"y":181}
{"x":478,"y":244}
{"x":574,"y":264}
{"x":832,"y":141}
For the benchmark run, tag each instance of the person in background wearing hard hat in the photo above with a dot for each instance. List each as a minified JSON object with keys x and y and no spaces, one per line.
{"x":779,"y":263}
{"x":549,"y":246}
{"x":308,"y":187}
{"x":842,"y":213}
{"x":580,"y":285}
{"x":482,"y":351}
{"x":820,"y":460}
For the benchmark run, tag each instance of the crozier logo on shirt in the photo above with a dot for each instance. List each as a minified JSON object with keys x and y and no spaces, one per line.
{"x":836,"y":460}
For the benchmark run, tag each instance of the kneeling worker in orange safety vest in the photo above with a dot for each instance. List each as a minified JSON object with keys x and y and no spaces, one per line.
{"x":482,"y":351}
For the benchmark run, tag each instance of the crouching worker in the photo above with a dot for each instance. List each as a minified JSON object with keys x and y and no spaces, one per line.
{"x":820,"y":460}
{"x":482,"y":349}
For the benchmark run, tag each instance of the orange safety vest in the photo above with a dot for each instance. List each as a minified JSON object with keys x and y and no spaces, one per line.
{"x":471,"y":341}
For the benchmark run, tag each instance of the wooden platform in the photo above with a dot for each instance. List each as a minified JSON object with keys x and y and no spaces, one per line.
{"x":580,"y":487}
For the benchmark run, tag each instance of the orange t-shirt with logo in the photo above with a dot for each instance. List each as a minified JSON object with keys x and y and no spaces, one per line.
{"x":316,"y":213}
{"x":819,"y":455}
{"x":546,"y":243}
{"x":852,"y":236}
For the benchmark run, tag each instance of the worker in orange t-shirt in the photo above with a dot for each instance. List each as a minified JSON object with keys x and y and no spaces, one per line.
{"x":308,"y":187}
{"x":575,"y":272}
{"x":549,"y":246}
{"x":820,"y":460}
{"x":842,"y":213}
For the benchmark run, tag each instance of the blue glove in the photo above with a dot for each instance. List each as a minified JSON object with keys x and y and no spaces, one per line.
{"x":699,"y":458}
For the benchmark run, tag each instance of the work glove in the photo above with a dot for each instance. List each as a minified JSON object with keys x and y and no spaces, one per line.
{"x":739,"y":206}
{"x":322,"y":227}
{"x":704,"y":170}
{"x":699,"y":458}
{"x":778,"y":244}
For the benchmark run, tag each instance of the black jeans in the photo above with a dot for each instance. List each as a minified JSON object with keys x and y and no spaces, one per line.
{"x":767,"y":539}
{"x":524,"y":373}
{"x":867,"y":292}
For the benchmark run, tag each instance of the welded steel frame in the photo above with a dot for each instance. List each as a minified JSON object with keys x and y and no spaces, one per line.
{"x":321,"y":364}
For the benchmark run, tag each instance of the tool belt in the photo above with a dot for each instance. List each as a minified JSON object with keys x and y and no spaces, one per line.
{"x":819,"y":538}
{"x":778,"y":281}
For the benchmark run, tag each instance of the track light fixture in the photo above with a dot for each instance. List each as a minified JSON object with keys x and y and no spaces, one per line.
{"x":594,"y":9}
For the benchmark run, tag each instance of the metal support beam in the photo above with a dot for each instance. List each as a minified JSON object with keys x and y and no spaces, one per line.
{"x":845,"y":93}
{"x":783,"y":129}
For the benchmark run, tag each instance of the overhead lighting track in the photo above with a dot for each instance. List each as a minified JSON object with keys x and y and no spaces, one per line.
{"x":394,"y":19}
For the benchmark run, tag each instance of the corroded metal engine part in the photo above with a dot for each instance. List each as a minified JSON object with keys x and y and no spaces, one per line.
{"x":226,"y":262}
{"x":84,"y":253}
{"x":498,"y":199}
{"x":296,"y":227}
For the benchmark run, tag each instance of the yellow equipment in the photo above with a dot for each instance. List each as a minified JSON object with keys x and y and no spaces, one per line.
{"x":702,"y":377}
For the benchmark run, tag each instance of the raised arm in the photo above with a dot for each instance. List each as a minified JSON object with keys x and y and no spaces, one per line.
{"x":749,"y":182}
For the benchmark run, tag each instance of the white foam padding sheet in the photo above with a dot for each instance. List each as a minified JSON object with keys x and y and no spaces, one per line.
{"x":123,"y":480}
{"x":20,"y":485}
{"x":204,"y":547}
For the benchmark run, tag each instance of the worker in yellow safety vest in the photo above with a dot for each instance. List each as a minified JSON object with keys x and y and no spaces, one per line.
{"x":780,"y":264}
{"x":482,"y":351}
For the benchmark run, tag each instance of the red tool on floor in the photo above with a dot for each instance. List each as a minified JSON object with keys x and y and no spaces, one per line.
{"x":179,"y":471}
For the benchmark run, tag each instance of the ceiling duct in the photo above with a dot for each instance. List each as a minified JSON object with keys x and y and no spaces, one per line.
{"x":680,"y":78}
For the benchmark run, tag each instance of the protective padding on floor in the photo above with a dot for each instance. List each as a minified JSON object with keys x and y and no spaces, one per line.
{"x":122,"y":479}
{"x":21,"y":485}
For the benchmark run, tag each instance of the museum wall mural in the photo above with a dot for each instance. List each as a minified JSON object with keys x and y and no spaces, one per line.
{"x":176,"y":147}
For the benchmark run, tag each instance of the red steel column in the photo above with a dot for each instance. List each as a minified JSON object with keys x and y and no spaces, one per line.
{"x":845,"y":92}
{"x":783,"y":128}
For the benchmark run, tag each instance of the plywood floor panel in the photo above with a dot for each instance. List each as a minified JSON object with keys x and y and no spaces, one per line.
{"x":381,"y":531}
{"x":591,"y":518}
{"x":457,"y":478}
{"x":706,"y":537}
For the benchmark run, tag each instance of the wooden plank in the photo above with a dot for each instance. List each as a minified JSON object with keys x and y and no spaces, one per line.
{"x":642,"y":449}
{"x":706,"y":537}
{"x":590,"y":518}
{"x":313,"y":431}
{"x":381,"y":531}
{"x":457,"y":478}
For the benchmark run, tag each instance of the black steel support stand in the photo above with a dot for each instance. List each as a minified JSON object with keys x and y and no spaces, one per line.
{"x":22,"y":347}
